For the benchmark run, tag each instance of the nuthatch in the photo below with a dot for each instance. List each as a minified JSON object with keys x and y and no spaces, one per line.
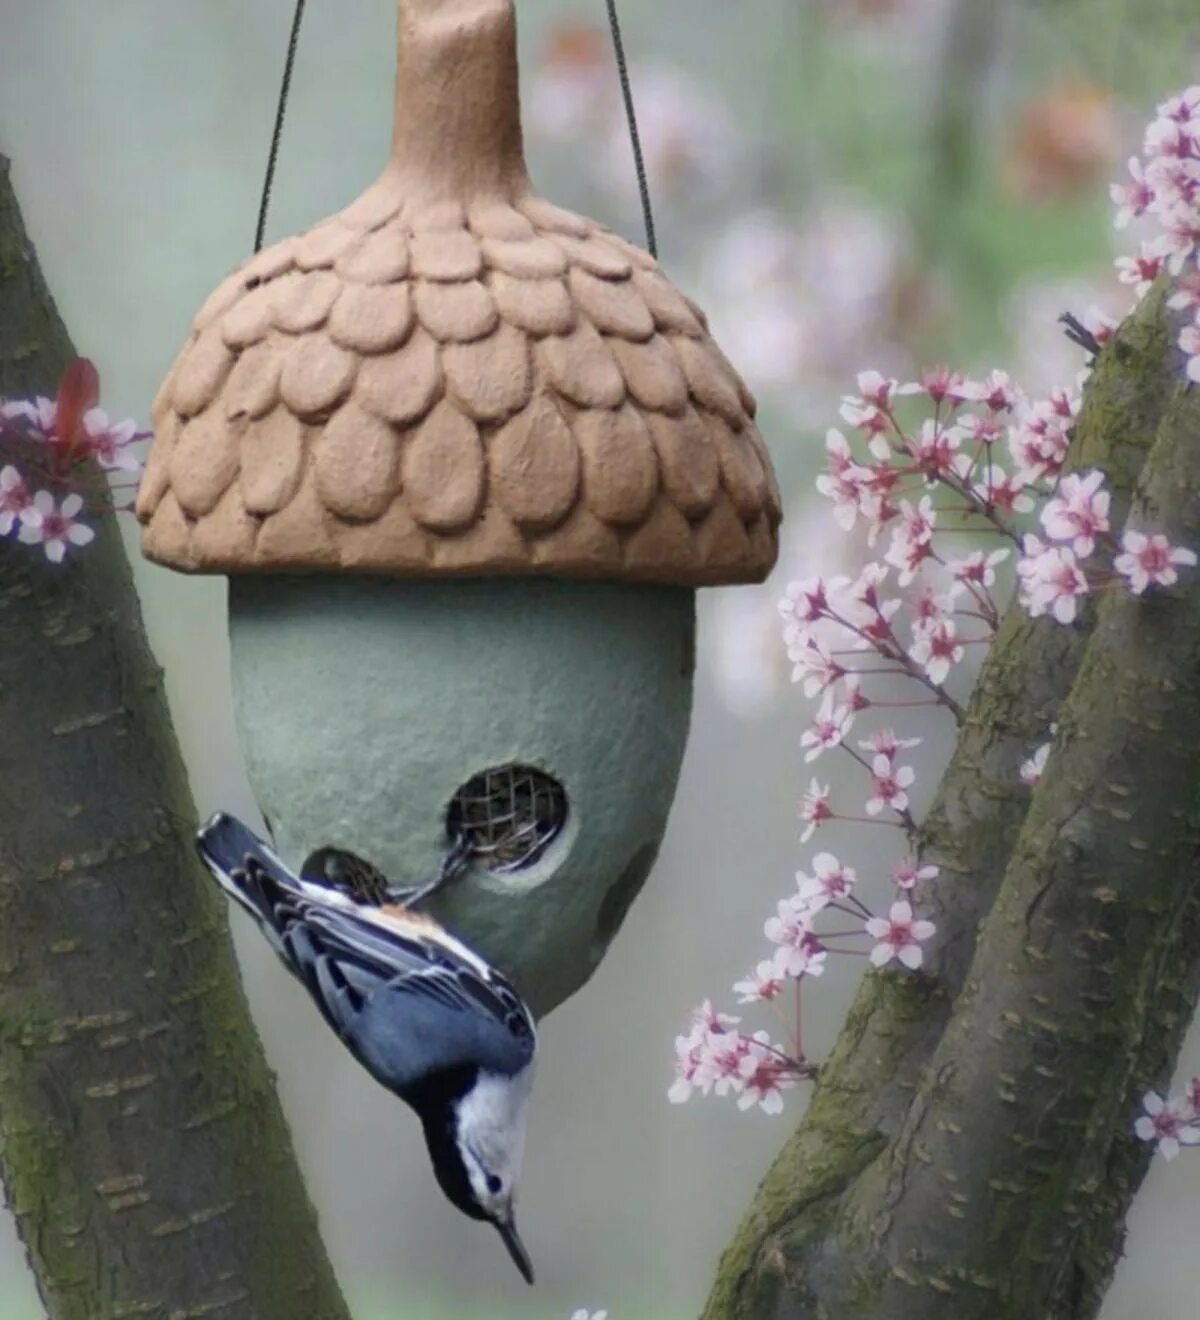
{"x":425,"y":1015}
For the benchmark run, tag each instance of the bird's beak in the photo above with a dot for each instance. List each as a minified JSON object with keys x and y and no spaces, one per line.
{"x":507,"y":1229}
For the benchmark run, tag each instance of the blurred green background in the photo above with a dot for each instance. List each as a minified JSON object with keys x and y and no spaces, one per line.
{"x":844,"y":184}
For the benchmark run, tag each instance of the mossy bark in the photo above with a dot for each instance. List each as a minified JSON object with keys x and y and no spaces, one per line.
{"x":968,"y":1148}
{"x":143,"y":1149}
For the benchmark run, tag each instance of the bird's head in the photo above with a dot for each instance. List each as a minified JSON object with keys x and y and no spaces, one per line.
{"x":490,"y":1137}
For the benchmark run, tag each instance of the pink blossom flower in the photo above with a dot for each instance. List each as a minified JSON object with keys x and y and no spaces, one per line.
{"x":806,"y":601}
{"x":911,"y":541}
{"x":1099,"y":324}
{"x":706,"y":1020}
{"x":977,"y":569}
{"x":1169,"y":1123}
{"x":865,"y":413}
{"x":56,"y":527}
{"x":721,"y":1066}
{"x":763,"y":984}
{"x":109,"y":441}
{"x":814,"y":669}
{"x":863,"y":607}
{"x":1051,"y":580}
{"x":940,"y":383}
{"x":828,"y":729}
{"x":1078,"y":512}
{"x":814,"y":809}
{"x":693,"y":1052}
{"x":830,"y":881}
{"x":1132,"y":199}
{"x":1182,"y":108}
{"x":853,"y":697}
{"x":1033,"y":769}
{"x":883,"y":742}
{"x":1150,"y":561}
{"x":1181,"y":234}
{"x":980,"y":429}
{"x":690,"y":1054}
{"x":888,"y":784}
{"x":844,"y":482}
{"x":1064,"y":403}
{"x":1169,"y":138}
{"x":936,"y":649}
{"x":764,"y":1077}
{"x":1140,"y":271}
{"x":908,"y":874}
{"x":1003,"y":493}
{"x":38,"y":416}
{"x":1186,"y":297}
{"x":928,"y":610}
{"x":899,"y":936}
{"x":935,"y":448}
{"x":879,"y":390}
{"x":1039,"y":441}
{"x":16,"y":503}
{"x":800,"y":952}
{"x":998,"y":393}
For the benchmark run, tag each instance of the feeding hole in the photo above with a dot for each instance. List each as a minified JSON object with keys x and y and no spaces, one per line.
{"x":509,"y":815}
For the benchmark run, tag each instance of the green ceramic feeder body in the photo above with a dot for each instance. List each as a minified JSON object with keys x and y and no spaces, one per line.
{"x":364,"y":705}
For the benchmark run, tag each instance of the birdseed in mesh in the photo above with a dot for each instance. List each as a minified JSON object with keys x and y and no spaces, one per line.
{"x":509,"y":815}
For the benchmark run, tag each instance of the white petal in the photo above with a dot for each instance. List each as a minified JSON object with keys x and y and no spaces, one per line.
{"x":56,"y":548}
{"x":881,"y":954}
{"x":911,"y":956}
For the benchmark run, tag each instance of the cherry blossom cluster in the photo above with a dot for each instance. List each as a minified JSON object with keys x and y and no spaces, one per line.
{"x":1163,"y":191}
{"x":932,"y":460}
{"x":48,"y":489}
{"x":1173,"y":1122}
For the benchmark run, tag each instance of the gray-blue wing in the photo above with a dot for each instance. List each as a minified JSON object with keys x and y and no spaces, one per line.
{"x":405,"y":1005}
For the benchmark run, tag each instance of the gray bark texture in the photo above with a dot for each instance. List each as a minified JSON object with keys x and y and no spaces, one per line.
{"x":968,"y":1152}
{"x":142,"y":1146}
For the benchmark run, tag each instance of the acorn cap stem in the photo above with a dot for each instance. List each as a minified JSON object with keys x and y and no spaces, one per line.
{"x":457,"y":126}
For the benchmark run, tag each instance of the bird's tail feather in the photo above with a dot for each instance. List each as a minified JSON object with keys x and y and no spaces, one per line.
{"x":245,"y":867}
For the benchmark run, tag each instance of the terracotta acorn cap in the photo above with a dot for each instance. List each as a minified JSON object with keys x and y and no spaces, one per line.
{"x":454,"y":377}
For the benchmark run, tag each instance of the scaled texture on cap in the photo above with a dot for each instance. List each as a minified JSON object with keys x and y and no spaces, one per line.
{"x":453,"y":377}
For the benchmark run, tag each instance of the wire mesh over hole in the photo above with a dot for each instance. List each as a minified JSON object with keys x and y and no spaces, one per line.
{"x":509,"y":815}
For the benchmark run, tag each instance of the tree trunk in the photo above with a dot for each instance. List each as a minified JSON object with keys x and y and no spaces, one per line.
{"x":968,"y":1151}
{"x":144,"y":1152}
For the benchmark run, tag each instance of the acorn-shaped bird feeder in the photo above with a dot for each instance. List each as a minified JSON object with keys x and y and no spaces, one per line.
{"x":465,"y":457}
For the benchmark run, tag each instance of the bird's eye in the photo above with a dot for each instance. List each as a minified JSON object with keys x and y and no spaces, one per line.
{"x":494,"y":1184}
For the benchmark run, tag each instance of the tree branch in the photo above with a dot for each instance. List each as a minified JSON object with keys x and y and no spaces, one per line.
{"x":144,"y":1152}
{"x":820,"y":1234}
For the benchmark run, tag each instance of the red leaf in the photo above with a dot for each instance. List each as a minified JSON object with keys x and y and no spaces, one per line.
{"x":78,"y":393}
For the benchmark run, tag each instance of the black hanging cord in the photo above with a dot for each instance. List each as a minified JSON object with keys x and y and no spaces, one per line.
{"x":280,"y":112}
{"x":635,"y":141}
